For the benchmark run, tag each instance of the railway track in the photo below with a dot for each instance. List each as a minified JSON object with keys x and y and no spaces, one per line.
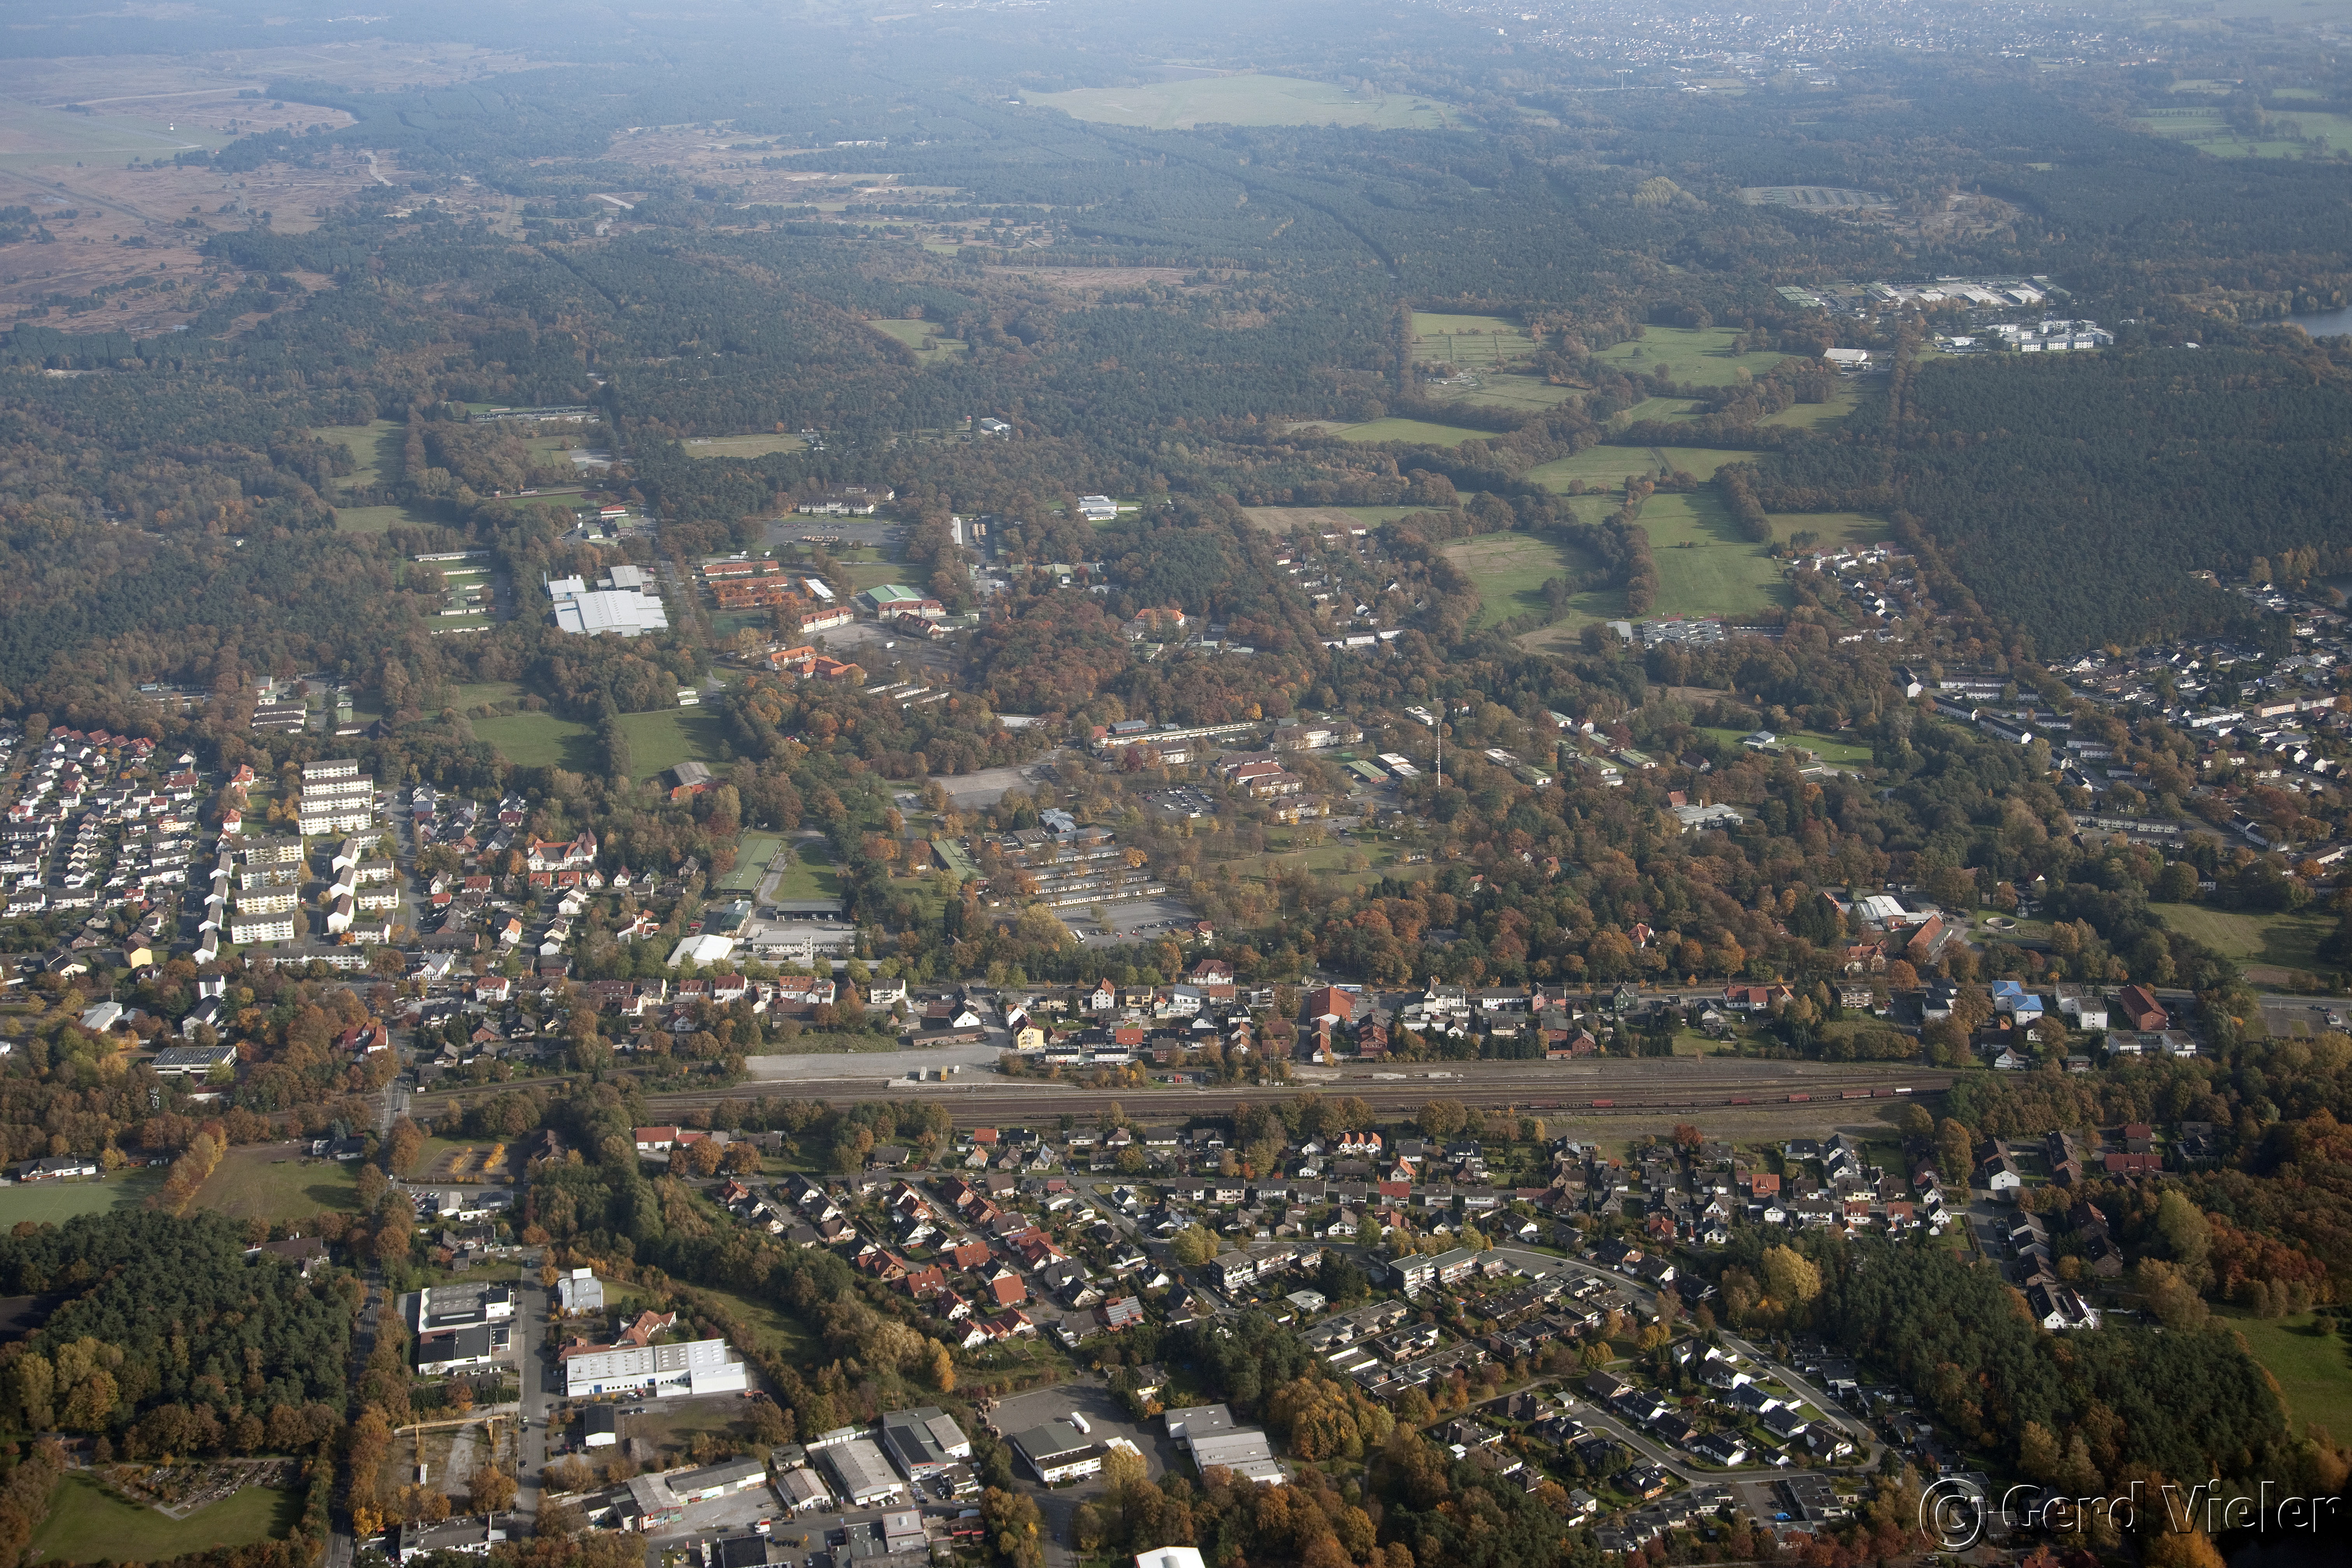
{"x":1589,"y":1094}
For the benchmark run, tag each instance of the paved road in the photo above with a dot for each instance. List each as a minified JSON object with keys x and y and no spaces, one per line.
{"x":534,"y":1376}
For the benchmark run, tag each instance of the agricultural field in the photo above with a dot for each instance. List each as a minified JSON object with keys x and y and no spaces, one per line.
{"x":2273,"y":941}
{"x":54,"y":1202}
{"x":752,"y":852}
{"x":1245,"y":100}
{"x":1509,"y":569}
{"x":743,"y":445}
{"x":923,"y":337}
{"x":1470,"y":340}
{"x":2313,"y":1365}
{"x":1701,"y":357}
{"x":87,"y":1523}
{"x":2300,"y":133}
{"x":278,"y":1181}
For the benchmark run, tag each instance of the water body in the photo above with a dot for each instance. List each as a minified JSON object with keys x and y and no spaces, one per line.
{"x":2326,"y":323}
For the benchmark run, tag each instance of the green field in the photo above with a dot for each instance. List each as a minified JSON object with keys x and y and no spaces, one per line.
{"x":1607,"y":465}
{"x":372,"y":447}
{"x":811,"y":875}
{"x":39,"y":137}
{"x":88,"y":1525}
{"x":542,"y":741}
{"x":1509,"y":570}
{"x":2209,"y":131}
{"x":2276,"y":940}
{"x":1243,"y":101}
{"x":483,"y":694}
{"x":1830,"y":529}
{"x":1704,"y":568}
{"x":274,"y":1182}
{"x":1418,"y":430}
{"x":746,"y":446}
{"x":1699,"y":356}
{"x":752,"y":852}
{"x":659,"y":741}
{"x":923,"y":337}
{"x":53,"y":1202}
{"x":1469,"y":340}
{"x":2314,"y":1369}
{"x":382,"y":518}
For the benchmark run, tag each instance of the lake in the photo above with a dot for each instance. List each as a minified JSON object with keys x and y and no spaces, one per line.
{"x":2326,"y":323}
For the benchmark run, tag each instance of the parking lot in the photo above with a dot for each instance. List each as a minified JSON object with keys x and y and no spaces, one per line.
{"x":1128,"y":918}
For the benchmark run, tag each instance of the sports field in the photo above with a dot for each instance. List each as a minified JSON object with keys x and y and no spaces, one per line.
{"x":1847,"y":753}
{"x":741,"y":445}
{"x":2274,"y":939}
{"x":278,"y":1181}
{"x":542,"y":741}
{"x":811,"y":874}
{"x":923,"y":337}
{"x":1509,"y":570}
{"x":752,"y":852}
{"x":88,"y":1523}
{"x":54,"y":1202}
{"x":659,"y":741}
{"x":1245,"y":100}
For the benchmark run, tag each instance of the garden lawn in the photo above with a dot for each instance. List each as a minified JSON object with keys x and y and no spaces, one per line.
{"x":2314,"y":1369}
{"x":277,"y":1181}
{"x":371,"y":446}
{"x":87,"y":1524}
{"x":2275,"y":938}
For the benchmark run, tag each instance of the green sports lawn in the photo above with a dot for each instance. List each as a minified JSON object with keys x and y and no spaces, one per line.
{"x":752,"y":852}
{"x":811,"y":874}
{"x":1704,"y":568}
{"x":89,"y":1524}
{"x":540,"y":740}
{"x":1845,"y":752}
{"x":53,"y":1202}
{"x":661,"y":740}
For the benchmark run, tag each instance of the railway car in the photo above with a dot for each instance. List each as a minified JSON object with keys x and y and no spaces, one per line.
{"x":1742,"y":1099}
{"x":1854,"y":1094}
{"x":1799,"y":1099}
{"x":1905,"y":1088}
{"x":1604,"y":1105}
{"x":1882,"y":1094}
